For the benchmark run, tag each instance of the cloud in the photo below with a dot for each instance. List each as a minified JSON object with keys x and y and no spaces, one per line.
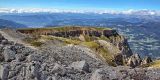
{"x":39,"y":10}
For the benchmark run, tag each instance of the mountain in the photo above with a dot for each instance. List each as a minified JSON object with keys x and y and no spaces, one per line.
{"x":10,"y":24}
{"x":77,"y":53}
{"x":142,"y":31}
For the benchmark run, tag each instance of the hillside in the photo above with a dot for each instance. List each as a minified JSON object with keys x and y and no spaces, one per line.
{"x":81,"y":54}
{"x":105,"y":42}
{"x":74,"y":53}
{"x":10,"y":24}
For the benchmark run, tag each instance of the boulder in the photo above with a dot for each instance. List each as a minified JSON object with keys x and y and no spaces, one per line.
{"x":1,"y":57}
{"x":80,"y":65}
{"x":105,"y":74}
{"x":118,"y":59}
{"x":52,"y":78}
{"x":33,"y":71}
{"x":20,"y":57}
{"x":146,"y":60}
{"x":134,"y":60}
{"x":9,"y":54}
{"x":1,"y":37}
{"x":4,"y":72}
{"x":4,"y":42}
{"x":58,"y":69}
{"x":15,"y":69}
{"x":34,"y":57}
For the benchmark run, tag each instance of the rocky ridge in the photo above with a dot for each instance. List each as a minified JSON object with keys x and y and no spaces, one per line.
{"x":70,"y":31}
{"x":69,"y":62}
{"x":115,"y":46}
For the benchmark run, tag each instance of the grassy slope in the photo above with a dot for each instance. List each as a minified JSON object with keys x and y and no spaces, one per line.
{"x":89,"y":43}
{"x":154,"y":64}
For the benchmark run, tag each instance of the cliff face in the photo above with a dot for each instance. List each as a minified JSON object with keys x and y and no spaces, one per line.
{"x":111,"y":46}
{"x":72,"y":32}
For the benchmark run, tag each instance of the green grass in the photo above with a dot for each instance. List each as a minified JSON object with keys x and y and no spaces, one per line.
{"x":154,"y":64}
{"x":64,"y":40}
{"x":101,"y":51}
{"x":33,"y":41}
{"x":91,"y":44}
{"x":36,"y":43}
{"x":102,"y":28}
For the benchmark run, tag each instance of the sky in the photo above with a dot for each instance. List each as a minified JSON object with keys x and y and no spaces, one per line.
{"x":83,"y":4}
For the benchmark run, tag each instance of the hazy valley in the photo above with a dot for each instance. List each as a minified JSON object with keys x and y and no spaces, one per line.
{"x":142,"y":31}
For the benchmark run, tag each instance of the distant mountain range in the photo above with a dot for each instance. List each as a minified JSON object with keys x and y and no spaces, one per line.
{"x":10,"y":24}
{"x":88,"y":19}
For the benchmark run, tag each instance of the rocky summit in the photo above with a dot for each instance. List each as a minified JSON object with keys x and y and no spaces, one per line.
{"x":71,"y":53}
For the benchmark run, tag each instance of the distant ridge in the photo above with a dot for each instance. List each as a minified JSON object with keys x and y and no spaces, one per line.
{"x":10,"y":24}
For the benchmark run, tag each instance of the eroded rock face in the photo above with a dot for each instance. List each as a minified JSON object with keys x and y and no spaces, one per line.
{"x":72,"y":32}
{"x":119,"y":48}
{"x":134,"y":60}
{"x":146,"y":60}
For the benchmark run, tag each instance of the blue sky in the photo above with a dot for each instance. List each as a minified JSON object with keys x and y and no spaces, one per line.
{"x":83,"y":4}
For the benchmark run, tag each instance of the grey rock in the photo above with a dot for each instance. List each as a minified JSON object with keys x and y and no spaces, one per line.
{"x":4,"y":71}
{"x":81,"y":66}
{"x":1,"y":57}
{"x":5,"y":41}
{"x":59,"y":70}
{"x":102,"y":74}
{"x":1,"y":47}
{"x":9,"y":54}
{"x":1,"y":37}
{"x":33,"y":71}
{"x":134,"y":60}
{"x":146,"y":60}
{"x":15,"y":69}
{"x":20,"y":57}
{"x":34,"y":57}
{"x":52,"y":78}
{"x":118,"y":59}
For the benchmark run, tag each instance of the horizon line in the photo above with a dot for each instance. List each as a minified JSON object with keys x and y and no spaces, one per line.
{"x":54,"y":10}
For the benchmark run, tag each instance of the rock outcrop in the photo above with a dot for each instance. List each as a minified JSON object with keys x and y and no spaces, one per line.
{"x":81,"y":66}
{"x":70,"y":31}
{"x":70,"y":62}
{"x":146,"y":60}
{"x":115,"y":46}
{"x":134,"y":60}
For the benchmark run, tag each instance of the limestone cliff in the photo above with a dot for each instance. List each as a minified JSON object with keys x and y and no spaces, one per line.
{"x":70,"y":31}
{"x":107,"y":43}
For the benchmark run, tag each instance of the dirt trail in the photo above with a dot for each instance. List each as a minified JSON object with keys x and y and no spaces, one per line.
{"x":12,"y":35}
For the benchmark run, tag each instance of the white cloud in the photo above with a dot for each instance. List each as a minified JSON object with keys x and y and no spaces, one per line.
{"x":38,"y":10}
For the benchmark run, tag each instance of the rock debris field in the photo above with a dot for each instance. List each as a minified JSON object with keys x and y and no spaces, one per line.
{"x":71,"y":62}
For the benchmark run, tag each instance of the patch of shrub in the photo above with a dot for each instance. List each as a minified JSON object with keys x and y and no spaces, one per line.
{"x":36,"y":43}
